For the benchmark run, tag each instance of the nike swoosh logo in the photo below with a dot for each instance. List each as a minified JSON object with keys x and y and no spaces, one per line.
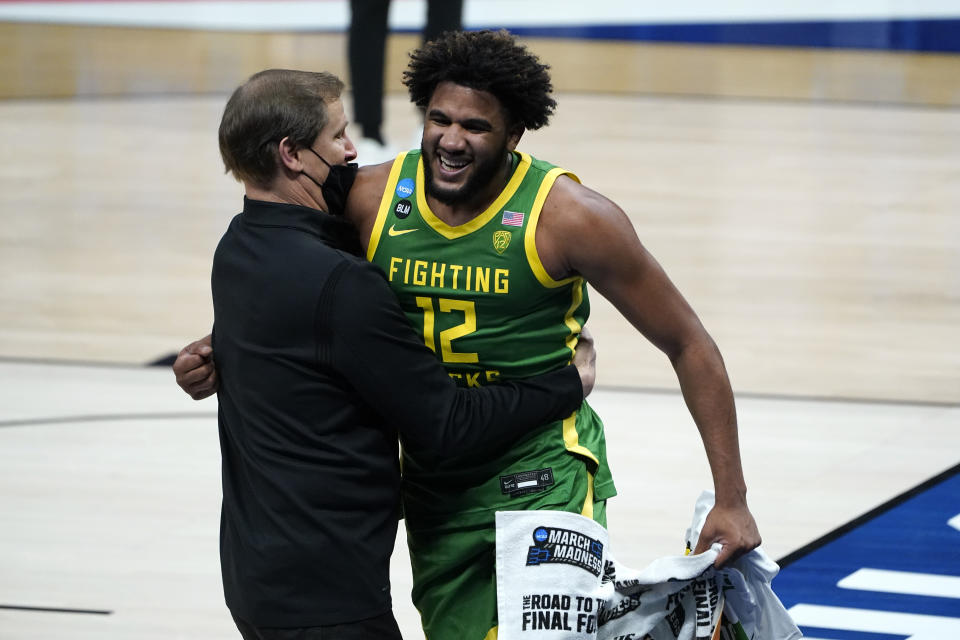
{"x":399,"y":232}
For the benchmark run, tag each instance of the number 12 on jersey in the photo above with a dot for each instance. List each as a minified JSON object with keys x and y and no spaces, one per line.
{"x":447,"y":336}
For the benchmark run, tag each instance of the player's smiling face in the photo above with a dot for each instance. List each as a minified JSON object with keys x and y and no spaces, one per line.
{"x":465,"y":145}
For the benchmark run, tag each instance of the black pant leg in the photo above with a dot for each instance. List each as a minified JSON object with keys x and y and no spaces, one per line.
{"x":366,"y":50}
{"x":247,"y":630}
{"x":382,"y":627}
{"x":442,"y":15}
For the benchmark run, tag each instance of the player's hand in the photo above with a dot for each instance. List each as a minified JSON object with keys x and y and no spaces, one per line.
{"x":585,"y":359}
{"x":734,"y":528}
{"x":194,"y":369}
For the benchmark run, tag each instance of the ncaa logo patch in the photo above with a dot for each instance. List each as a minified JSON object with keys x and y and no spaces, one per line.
{"x":405,"y":188}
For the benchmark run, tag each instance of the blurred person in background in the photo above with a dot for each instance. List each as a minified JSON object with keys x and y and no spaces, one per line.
{"x":366,"y":54}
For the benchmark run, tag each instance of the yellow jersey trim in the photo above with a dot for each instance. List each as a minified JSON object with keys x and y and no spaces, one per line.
{"x":385,"y":201}
{"x":588,"y":501}
{"x":574,"y":326}
{"x":530,"y":235}
{"x":452,"y":233}
{"x":571,"y":440}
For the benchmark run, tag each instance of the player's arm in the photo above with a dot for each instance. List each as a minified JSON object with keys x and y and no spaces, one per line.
{"x":196,"y":373}
{"x":364,"y":336}
{"x":582,"y":232}
{"x":363,"y":201}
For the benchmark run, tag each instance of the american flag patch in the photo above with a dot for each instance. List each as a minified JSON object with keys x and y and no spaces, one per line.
{"x":512,"y":218}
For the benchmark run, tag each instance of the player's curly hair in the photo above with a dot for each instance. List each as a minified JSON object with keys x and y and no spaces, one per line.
{"x":489,"y":61}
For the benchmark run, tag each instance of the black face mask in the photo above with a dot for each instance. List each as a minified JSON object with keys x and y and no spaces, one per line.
{"x":337,"y":185}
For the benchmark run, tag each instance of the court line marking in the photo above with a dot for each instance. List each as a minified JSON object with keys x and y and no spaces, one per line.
{"x":15,"y":607}
{"x":601,"y":387}
{"x":29,"y":422}
{"x":56,"y":362}
{"x":906,"y":582}
{"x":750,"y":395}
{"x":866,"y":517}
{"x":914,"y":625}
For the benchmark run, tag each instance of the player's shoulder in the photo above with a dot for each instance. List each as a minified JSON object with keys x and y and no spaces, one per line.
{"x":372,"y":177}
{"x":375,"y":176}
{"x":571,"y":203}
{"x":364,"y":197}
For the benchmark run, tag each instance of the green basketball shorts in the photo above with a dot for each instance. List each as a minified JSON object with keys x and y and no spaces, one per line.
{"x":454,"y":562}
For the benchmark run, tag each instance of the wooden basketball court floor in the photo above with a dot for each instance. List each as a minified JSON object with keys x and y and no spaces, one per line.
{"x":820,"y":243}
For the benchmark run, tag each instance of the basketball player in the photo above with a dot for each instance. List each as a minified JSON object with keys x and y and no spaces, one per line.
{"x":489,"y":251}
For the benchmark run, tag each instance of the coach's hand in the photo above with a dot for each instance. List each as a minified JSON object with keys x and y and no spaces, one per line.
{"x":585,"y":359}
{"x":734,"y":528}
{"x":194,"y":369}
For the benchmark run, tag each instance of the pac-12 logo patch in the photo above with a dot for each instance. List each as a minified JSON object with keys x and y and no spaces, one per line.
{"x":405,"y":188}
{"x":501,"y":240}
{"x":402,"y":210}
{"x":565,"y":546}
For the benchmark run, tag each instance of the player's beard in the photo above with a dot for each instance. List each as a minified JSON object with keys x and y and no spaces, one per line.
{"x":483,"y":172}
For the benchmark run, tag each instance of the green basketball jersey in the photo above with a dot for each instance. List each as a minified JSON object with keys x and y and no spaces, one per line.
{"x":482,"y":300}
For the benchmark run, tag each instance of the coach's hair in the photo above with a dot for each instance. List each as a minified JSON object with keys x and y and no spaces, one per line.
{"x":272,"y":105}
{"x":489,"y":61}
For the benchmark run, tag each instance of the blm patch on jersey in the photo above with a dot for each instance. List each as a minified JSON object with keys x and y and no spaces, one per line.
{"x":403,"y":208}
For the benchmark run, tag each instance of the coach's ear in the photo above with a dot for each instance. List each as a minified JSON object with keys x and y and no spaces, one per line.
{"x":289,"y":155}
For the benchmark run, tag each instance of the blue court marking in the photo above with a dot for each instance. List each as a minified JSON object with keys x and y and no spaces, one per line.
{"x":840,"y":634}
{"x":936,"y":35}
{"x":910,"y":533}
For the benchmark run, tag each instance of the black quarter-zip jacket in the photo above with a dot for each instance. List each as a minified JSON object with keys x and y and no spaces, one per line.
{"x":319,"y":372}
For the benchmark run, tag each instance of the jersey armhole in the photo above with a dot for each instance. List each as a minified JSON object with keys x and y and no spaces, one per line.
{"x":530,"y":233}
{"x":385,"y":201}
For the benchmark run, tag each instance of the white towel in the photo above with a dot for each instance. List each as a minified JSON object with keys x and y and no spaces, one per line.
{"x":557,"y":580}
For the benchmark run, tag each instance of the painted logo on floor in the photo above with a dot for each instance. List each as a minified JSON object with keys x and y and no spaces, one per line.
{"x":892,"y":574}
